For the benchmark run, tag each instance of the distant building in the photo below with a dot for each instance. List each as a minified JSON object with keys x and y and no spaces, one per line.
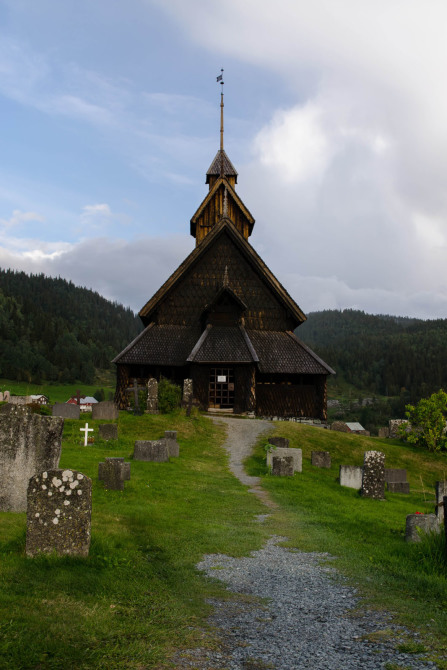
{"x":85,"y":402}
{"x":39,"y":399}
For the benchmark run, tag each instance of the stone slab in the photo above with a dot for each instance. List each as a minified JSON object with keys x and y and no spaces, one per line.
{"x":398,"y":487}
{"x":58,"y":514}
{"x":321,"y":459}
{"x":105,"y":410}
{"x":281,"y":442}
{"x":351,"y":476}
{"x":114,"y":472}
{"x":172,"y":444}
{"x":108,"y":431}
{"x":295,"y":454}
{"x":29,"y":443}
{"x":151,"y":450}
{"x":282,"y":466}
{"x":395,"y":475}
{"x":418,"y":524}
{"x":66,"y":410}
{"x":440,"y":492}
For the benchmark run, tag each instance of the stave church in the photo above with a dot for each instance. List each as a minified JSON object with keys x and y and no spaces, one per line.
{"x":224,"y":321}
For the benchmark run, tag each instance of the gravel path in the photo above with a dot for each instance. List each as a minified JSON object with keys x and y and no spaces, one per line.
{"x":289,"y":609}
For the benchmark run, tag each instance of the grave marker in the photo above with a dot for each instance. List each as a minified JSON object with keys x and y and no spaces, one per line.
{"x":114,"y":472}
{"x":281,"y":442}
{"x":295,"y":454}
{"x":172,"y":444}
{"x":282,"y":466}
{"x":66,"y":410}
{"x":441,"y":491}
{"x":151,"y":450}
{"x":86,"y":430}
{"x":351,"y":476}
{"x":105,"y":411}
{"x":108,"y":431}
{"x":373,"y":480}
{"x":417,"y":524}
{"x":321,"y":459}
{"x":58,"y":517}
{"x":29,"y":443}
{"x":152,"y":396}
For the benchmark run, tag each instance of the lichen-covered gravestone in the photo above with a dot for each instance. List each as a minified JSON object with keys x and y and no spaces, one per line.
{"x":295,"y":454}
{"x":58,"y":517}
{"x":29,"y":443}
{"x":373,"y":480}
{"x":105,"y":410}
{"x":151,"y":450}
{"x":321,"y":459}
{"x":108,"y":431}
{"x":152,"y":396}
{"x":282,"y":466}
{"x":114,"y":472}
{"x":187,"y":391}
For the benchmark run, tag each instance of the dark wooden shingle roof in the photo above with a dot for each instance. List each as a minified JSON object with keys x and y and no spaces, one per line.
{"x":221,"y":166}
{"x":283,"y":353}
{"x":223,"y":344}
{"x":160,"y":345}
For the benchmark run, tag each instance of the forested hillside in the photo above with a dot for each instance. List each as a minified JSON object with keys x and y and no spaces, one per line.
{"x":381,"y":354}
{"x":52,"y":330}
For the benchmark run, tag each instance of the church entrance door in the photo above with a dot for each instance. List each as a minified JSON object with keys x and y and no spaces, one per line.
{"x":221,"y":388}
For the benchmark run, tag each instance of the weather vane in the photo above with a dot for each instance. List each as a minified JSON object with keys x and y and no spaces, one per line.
{"x":220,"y":77}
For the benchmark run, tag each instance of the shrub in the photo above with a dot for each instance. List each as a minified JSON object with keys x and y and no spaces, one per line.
{"x":169,"y":396}
{"x":427,"y":422}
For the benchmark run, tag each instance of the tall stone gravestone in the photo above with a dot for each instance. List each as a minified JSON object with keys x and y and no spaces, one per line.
{"x":66,"y":410}
{"x":441,"y":491}
{"x":187,"y":392}
{"x":105,"y":410}
{"x":59,"y":512}
{"x":29,"y":443}
{"x":351,"y":476}
{"x":152,"y":396}
{"x":114,"y":472}
{"x":373,"y":479}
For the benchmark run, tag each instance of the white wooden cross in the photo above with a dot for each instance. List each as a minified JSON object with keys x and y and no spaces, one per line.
{"x":86,"y":430}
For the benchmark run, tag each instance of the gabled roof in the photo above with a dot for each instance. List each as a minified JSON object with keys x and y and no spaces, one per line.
{"x":223,"y":344}
{"x":221,"y":166}
{"x":224,"y":227}
{"x":231,"y":194}
{"x":160,"y":345}
{"x":282,"y":352}
{"x":226,"y":291}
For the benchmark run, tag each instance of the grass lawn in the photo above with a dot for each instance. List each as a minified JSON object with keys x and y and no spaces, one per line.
{"x":138,"y":595}
{"x":366,"y":536}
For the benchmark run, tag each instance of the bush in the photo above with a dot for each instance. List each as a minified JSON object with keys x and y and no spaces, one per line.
{"x":427,"y":423}
{"x":169,"y":396}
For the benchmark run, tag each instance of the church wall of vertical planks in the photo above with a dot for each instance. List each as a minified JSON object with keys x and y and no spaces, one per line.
{"x":223,"y":320}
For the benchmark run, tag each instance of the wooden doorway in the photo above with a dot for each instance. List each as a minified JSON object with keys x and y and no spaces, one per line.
{"x":221,"y":388}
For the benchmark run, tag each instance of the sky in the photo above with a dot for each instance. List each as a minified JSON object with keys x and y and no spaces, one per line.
{"x":335,"y":119}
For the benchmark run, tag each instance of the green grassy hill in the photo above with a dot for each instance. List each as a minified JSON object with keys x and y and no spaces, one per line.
{"x":138,"y":595}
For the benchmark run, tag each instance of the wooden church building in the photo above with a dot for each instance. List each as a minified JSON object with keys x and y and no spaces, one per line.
{"x":223,"y":320}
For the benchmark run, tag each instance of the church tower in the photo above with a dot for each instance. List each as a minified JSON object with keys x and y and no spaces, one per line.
{"x":222,"y":201}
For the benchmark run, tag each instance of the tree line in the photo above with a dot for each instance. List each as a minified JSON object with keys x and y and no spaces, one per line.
{"x":51,"y":330}
{"x":384,"y":355}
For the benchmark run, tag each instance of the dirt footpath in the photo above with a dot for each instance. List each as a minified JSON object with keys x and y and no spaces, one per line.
{"x":242,"y":435}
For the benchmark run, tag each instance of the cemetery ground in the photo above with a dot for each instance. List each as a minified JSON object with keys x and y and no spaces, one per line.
{"x":138,"y":596}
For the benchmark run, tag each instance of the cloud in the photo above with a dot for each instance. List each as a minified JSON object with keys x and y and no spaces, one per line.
{"x":19,"y":217}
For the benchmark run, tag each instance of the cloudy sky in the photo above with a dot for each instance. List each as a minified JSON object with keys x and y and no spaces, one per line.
{"x":335,"y":118}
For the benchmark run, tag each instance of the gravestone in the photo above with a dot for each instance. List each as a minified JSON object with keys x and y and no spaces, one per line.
{"x":66,"y":410}
{"x":172,"y":444}
{"x":281,"y":442}
{"x":440,"y":491}
{"x":105,"y":410}
{"x":152,"y":396}
{"x":1,"y":396}
{"x":394,"y":425}
{"x":86,"y":430}
{"x":395,"y":475}
{"x":416,"y":524}
{"x":282,"y":466}
{"x":295,"y":454}
{"x":29,"y":443}
{"x":114,"y":472}
{"x":151,"y":450}
{"x":321,"y":459}
{"x":58,"y":517}
{"x":373,"y":480}
{"x":187,"y":392}
{"x":108,"y":431}
{"x":384,"y":432}
{"x":351,"y":476}
{"x":398,"y":487}
{"x":340,"y":427}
